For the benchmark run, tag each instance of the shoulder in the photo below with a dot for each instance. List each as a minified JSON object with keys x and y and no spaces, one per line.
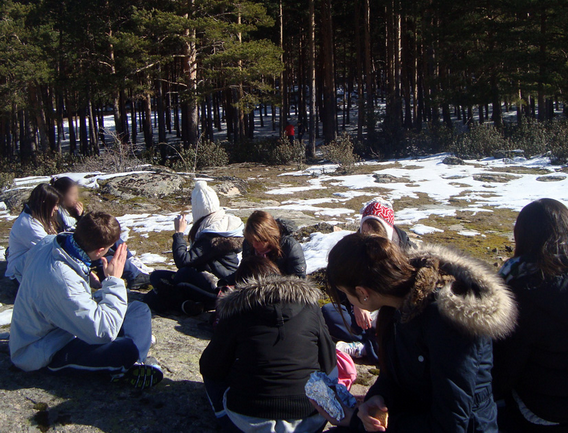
{"x":289,"y":243}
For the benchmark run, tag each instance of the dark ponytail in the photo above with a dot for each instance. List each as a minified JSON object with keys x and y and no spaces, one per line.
{"x":62,"y":184}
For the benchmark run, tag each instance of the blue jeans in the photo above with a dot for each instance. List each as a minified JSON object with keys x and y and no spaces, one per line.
{"x":343,"y":327}
{"x":215,"y":391}
{"x":131,"y":345}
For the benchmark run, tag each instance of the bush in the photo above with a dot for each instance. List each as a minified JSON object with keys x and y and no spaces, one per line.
{"x":479,"y":142}
{"x":253,"y":150}
{"x":286,"y":153}
{"x":208,"y":154}
{"x":341,"y":151}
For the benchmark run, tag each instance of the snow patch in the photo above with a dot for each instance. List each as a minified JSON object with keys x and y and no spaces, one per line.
{"x":6,"y":317}
{"x":151,"y":258}
{"x":421,"y":229}
{"x":318,"y":247}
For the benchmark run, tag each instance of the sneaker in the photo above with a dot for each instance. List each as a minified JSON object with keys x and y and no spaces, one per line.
{"x":142,"y":375}
{"x":142,"y":281}
{"x":192,"y":308}
{"x":354,"y":350}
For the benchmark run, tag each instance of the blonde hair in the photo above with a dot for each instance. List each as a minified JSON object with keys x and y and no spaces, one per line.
{"x":262,"y":227}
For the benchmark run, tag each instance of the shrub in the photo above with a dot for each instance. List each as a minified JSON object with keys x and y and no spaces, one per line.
{"x":208,"y":154}
{"x":285,"y":153}
{"x":479,"y":142}
{"x":341,"y":151}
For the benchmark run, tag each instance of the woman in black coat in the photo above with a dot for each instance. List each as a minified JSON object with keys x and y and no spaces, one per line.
{"x":215,"y":240}
{"x":439,"y":313}
{"x":271,"y":336}
{"x":531,"y":366}
{"x":267,"y":237}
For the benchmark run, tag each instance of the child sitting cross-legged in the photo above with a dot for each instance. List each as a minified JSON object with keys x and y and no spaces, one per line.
{"x":271,"y":336}
{"x":59,"y":324}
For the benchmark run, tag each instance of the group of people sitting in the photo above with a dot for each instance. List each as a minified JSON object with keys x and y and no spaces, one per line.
{"x":460,"y":347}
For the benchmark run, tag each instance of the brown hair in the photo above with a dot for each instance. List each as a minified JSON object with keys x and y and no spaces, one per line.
{"x":256,"y":267}
{"x":195,"y":228}
{"x":41,"y":203}
{"x":262,"y":227}
{"x":97,"y":230}
{"x":541,"y":235}
{"x":377,"y":228}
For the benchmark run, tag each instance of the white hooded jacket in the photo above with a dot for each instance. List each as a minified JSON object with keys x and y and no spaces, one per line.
{"x":25,"y":233}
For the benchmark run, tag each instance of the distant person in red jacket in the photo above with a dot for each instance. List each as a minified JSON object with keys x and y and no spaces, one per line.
{"x":290,"y":132}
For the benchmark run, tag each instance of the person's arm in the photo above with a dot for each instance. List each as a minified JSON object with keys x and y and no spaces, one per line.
{"x":200,"y":253}
{"x":75,"y":310}
{"x":296,"y":262}
{"x":220,"y":353}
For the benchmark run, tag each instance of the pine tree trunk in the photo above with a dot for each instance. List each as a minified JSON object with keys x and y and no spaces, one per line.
{"x":191,"y":120}
{"x":312,"y":81}
{"x":329,"y":96}
{"x":147,"y":124}
{"x":370,"y":106}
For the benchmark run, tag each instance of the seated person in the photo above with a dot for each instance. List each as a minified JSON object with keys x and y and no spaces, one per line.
{"x":267,"y":237}
{"x":36,"y":221}
{"x":59,"y":324}
{"x":531,"y":365}
{"x":215,"y":240}
{"x":439,"y":312}
{"x":71,"y":210}
{"x":354,"y":328}
{"x":271,"y":336}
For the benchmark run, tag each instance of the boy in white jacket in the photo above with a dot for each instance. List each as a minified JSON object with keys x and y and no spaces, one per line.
{"x":57,"y":323}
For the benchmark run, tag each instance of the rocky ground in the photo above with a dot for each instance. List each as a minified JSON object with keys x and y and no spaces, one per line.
{"x":465,"y":206}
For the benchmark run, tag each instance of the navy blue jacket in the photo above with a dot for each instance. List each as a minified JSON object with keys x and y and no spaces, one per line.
{"x":436,"y":353}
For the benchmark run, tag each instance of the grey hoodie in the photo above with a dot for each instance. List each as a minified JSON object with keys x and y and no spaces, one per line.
{"x":55,"y":305}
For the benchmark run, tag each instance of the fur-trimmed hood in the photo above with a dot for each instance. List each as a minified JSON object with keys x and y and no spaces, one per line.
{"x":467,"y":291}
{"x":268,"y":291}
{"x":227,"y":244}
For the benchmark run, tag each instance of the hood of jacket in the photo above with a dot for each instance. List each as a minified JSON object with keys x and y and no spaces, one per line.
{"x":222,"y":224}
{"x":468,"y":292}
{"x":227,"y":245}
{"x":266,"y":292}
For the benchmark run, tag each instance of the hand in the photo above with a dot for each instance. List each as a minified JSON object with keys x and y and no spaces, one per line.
{"x":115,"y":267}
{"x":343,"y":423}
{"x":371,"y":406}
{"x":180,"y":224}
{"x":79,"y":208}
{"x":363,"y":318}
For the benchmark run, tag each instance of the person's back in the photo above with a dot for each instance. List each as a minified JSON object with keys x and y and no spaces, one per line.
{"x":25,"y":233}
{"x":270,"y":338}
{"x":531,"y":366}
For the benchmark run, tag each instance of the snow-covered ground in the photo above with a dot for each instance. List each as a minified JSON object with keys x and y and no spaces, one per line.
{"x":442,"y":184}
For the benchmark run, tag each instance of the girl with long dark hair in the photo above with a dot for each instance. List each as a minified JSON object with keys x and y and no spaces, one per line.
{"x":439,"y":312}
{"x":37,"y":220}
{"x":531,"y":366}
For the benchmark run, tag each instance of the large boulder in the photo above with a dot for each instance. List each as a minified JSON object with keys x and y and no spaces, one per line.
{"x":453,"y":160}
{"x":149,"y":185}
{"x":15,"y":199}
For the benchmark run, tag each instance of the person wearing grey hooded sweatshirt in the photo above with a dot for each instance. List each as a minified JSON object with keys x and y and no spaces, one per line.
{"x":60,"y":325}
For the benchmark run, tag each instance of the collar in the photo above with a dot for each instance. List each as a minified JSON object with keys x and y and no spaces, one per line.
{"x":74,"y":250}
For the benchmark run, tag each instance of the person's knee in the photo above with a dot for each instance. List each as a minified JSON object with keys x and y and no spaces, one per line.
{"x":139,"y":310}
{"x":129,"y":354}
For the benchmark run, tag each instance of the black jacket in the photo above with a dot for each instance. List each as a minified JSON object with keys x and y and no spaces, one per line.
{"x":534,"y":359}
{"x":291,"y":262}
{"x":403,"y":240}
{"x":437,"y":351}
{"x":270,"y":338}
{"x":211,"y":253}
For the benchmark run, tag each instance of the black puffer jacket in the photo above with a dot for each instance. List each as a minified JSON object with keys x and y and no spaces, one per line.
{"x":437,"y":351}
{"x":211,"y":253}
{"x":533,"y":361}
{"x":291,"y":262}
{"x":270,"y":338}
